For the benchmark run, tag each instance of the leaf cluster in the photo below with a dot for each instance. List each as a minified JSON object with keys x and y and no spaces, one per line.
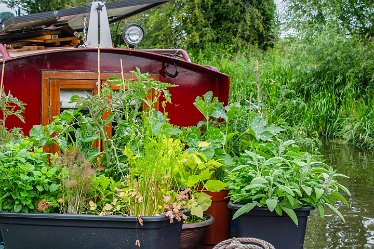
{"x":10,"y":106}
{"x":26,"y":178}
{"x":286,"y":180}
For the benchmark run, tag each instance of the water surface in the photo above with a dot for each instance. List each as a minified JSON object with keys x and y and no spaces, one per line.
{"x":358,"y":229}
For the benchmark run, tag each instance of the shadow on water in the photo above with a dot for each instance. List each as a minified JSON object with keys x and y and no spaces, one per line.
{"x":358,"y":230}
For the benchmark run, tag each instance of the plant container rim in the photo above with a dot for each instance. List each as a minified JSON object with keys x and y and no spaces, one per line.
{"x":204,"y":223}
{"x":237,"y":206}
{"x":88,"y":217}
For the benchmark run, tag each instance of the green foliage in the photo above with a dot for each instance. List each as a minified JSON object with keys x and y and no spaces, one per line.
{"x":319,"y":87}
{"x":76,"y":180}
{"x":10,"y":106}
{"x":33,"y":6}
{"x":27,"y":182}
{"x":5,"y":16}
{"x":194,"y":24}
{"x":150,"y":187}
{"x":198,"y":204}
{"x":354,"y":16}
{"x":283,"y":180}
{"x":85,"y":125}
{"x":151,"y":175}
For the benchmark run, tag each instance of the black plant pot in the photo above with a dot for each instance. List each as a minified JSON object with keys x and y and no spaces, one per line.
{"x":1,"y":240}
{"x":280,"y":231}
{"x":60,"y":231}
{"x":193,"y":233}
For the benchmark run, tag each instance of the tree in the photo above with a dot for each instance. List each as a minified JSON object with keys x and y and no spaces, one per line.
{"x":4,"y":16}
{"x":355,"y":16}
{"x":35,"y":6}
{"x":196,"y":23}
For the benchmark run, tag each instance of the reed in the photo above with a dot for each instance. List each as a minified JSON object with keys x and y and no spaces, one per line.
{"x":321,"y":87}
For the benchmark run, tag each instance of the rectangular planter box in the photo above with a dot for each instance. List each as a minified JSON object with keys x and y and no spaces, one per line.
{"x":60,"y":231}
{"x":280,"y":231}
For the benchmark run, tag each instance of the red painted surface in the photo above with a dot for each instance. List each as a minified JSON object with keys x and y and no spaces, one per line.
{"x":23,"y":79}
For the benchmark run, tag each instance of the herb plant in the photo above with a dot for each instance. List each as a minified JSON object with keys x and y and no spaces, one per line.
{"x":281,"y":177}
{"x":27,"y":182}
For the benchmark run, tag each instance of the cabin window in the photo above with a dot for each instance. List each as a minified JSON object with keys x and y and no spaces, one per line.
{"x":59,"y":86}
{"x":66,"y":94}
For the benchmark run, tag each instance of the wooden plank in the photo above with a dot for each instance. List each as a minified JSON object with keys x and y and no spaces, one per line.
{"x":62,"y":40}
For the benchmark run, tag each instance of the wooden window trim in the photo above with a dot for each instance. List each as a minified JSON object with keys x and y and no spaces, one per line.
{"x":76,"y":80}
{"x":53,"y":81}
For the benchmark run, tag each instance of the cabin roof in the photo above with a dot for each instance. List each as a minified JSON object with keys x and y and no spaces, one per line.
{"x":69,"y":18}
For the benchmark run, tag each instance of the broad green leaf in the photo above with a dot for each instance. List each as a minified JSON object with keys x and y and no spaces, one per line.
{"x":37,"y":132}
{"x":298,"y":192}
{"x":230,"y":135}
{"x":271,"y":203}
{"x":291,"y":213}
{"x":258,"y":196}
{"x":308,"y":190}
{"x":203,"y":144}
{"x":337,"y":196}
{"x":335,"y":211}
{"x":258,"y":180}
{"x":53,"y":187}
{"x":291,"y":200}
{"x":17,"y":208}
{"x":244,"y":209}
{"x":286,"y":189}
{"x":215,"y":185}
{"x":204,"y":200}
{"x":197,"y":211}
{"x":278,"y":210}
{"x":232,"y":110}
{"x":219,"y":113}
{"x":321,"y":210}
{"x":192,"y":181}
{"x":89,"y":139}
{"x":344,"y":189}
{"x":44,"y":170}
{"x":254,"y":186}
{"x":215,"y":163}
{"x":62,"y":143}
{"x":205,"y":174}
{"x":319,"y":192}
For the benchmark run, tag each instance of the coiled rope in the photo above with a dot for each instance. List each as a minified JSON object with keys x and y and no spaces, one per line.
{"x":244,"y":243}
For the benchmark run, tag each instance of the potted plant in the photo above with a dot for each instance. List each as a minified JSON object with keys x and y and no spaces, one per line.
{"x":101,"y":190}
{"x":196,"y":224}
{"x":9,"y":106}
{"x":210,"y":138}
{"x":276,"y":184}
{"x":195,"y":174}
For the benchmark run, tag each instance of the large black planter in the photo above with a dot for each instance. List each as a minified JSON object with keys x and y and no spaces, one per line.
{"x":280,"y":231}
{"x":1,"y":241}
{"x":59,"y":231}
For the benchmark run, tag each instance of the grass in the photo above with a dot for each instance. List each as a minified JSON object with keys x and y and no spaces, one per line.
{"x":322,"y":87}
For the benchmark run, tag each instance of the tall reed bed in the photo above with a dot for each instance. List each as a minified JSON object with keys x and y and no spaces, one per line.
{"x":321,"y":87}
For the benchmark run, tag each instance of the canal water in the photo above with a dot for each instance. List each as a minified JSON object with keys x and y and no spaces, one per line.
{"x":357,"y":232}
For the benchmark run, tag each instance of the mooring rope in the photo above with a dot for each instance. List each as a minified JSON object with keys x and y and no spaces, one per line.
{"x":244,"y":243}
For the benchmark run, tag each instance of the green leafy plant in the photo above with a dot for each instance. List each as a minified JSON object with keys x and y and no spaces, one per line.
{"x":27,"y":182}
{"x":76,"y":181}
{"x":10,"y":106}
{"x":121,"y":111}
{"x":151,"y":175}
{"x":284,"y":180}
{"x":197,"y":172}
